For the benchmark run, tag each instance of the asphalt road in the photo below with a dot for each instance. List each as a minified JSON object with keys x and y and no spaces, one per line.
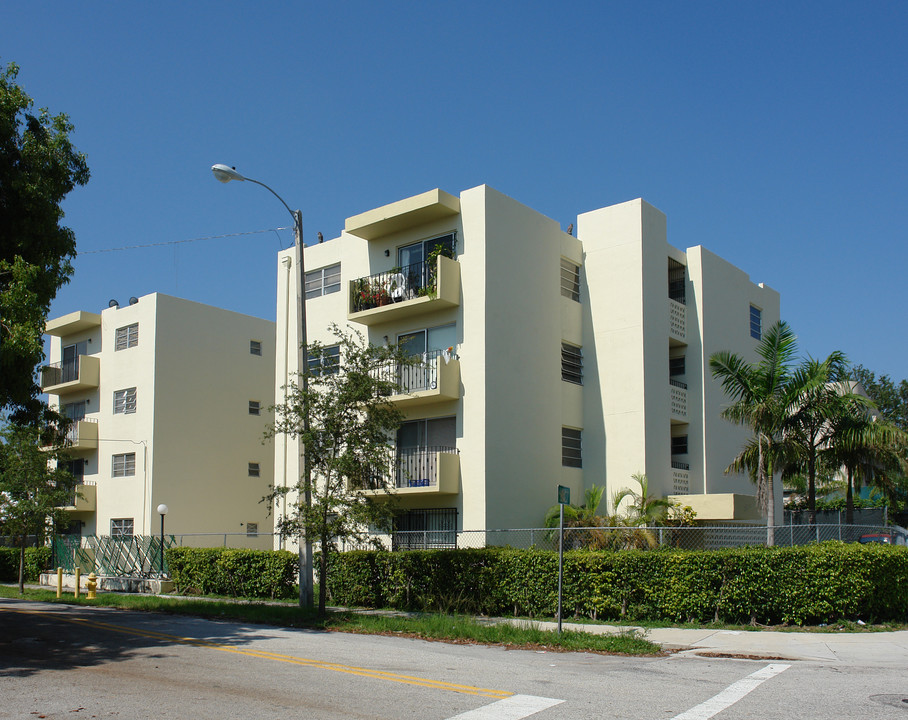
{"x":71,"y":662}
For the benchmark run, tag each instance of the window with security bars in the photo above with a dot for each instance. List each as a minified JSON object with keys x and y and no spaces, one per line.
{"x":327,"y":361}
{"x":254,"y":470}
{"x":255,"y":407}
{"x":571,"y":364}
{"x":571,"y":447}
{"x":676,"y":366}
{"x":756,"y":322}
{"x":255,"y":347}
{"x":570,"y":280}
{"x":323,"y":281}
{"x":127,"y":337}
{"x":427,"y":528}
{"x":121,"y":527}
{"x":124,"y":401}
{"x":679,"y":444}
{"x":123,"y":465}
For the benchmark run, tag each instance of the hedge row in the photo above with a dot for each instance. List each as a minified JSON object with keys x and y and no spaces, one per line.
{"x":37,"y":561}
{"x":796,"y":585}
{"x":235,"y":573}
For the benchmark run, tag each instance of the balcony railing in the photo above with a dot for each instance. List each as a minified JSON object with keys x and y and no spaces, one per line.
{"x":82,"y":434}
{"x":678,"y":465}
{"x":421,"y":375}
{"x":396,"y":285}
{"x":677,"y":320}
{"x":678,"y":399}
{"x":79,"y":373}
{"x":412,"y":468}
{"x":405,"y":291}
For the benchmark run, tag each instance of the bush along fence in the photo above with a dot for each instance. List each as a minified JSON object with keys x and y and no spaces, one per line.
{"x":794,"y":585}
{"x":37,"y":560}
{"x":237,"y":573}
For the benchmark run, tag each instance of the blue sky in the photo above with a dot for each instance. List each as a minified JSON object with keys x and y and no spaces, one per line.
{"x":772,"y":133}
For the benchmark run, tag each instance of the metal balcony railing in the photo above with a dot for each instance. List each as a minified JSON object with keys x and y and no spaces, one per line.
{"x":421,"y":375}
{"x":72,"y":432}
{"x":409,"y":468}
{"x":60,"y":372}
{"x":396,"y":285}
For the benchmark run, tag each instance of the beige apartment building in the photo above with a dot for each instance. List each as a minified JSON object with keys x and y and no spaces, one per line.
{"x":546,"y":359}
{"x":169,"y":401}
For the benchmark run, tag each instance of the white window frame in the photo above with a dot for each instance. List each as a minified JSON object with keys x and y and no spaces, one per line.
{"x":570,"y":280}
{"x":571,"y":363}
{"x":119,"y":527}
{"x":323,"y":281}
{"x":328,"y":361}
{"x":123,"y":465}
{"x":255,"y":469}
{"x":124,"y":401}
{"x":756,"y":322}
{"x":255,"y":407}
{"x":126,"y":337}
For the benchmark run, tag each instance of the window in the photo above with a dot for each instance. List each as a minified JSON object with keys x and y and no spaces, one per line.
{"x":676,"y":366}
{"x":127,"y":337}
{"x":123,"y":465}
{"x":570,"y":280}
{"x":124,"y":401}
{"x":121,"y":527}
{"x":676,"y":282}
{"x":323,"y":281}
{"x":756,"y":322}
{"x":679,"y":444}
{"x":254,"y":407}
{"x":412,"y":255}
{"x":76,"y":468}
{"x":571,"y":364}
{"x":69,"y":366}
{"x":254,"y":470}
{"x":418,"y":445}
{"x":328,"y":362}
{"x":429,"y":528}
{"x":255,"y":347}
{"x":571,"y":447}
{"x":252,"y":529}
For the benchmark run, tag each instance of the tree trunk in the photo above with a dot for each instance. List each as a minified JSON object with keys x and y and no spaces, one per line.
{"x":849,"y":499}
{"x":22,"y":565}
{"x":812,"y":488}
{"x":323,"y":576}
{"x":770,"y":491}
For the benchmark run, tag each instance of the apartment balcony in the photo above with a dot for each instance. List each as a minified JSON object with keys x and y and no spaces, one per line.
{"x":74,"y":322}
{"x":418,"y":471}
{"x":405,"y":292}
{"x":435,"y":377}
{"x":82,"y":373}
{"x":82,"y":435}
{"x":678,"y":400}
{"x":677,"y":323}
{"x":84,"y":499}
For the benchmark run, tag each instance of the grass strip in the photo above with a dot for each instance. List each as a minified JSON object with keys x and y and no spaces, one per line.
{"x":448,"y":628}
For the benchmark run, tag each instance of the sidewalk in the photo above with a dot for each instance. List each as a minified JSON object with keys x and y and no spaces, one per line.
{"x":870,"y":648}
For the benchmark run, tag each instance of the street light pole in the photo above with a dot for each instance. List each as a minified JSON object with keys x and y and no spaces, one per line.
{"x":162,"y":510}
{"x":225,"y":174}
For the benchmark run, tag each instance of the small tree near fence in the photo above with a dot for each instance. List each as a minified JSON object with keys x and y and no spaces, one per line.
{"x":34,"y":486}
{"x":348,"y":444}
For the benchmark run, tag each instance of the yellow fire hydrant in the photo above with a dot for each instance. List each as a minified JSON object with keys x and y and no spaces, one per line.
{"x":92,"y":586}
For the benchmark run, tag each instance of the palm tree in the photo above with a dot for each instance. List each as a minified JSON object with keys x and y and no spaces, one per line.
{"x":760,"y":393}
{"x":644,"y":509}
{"x":578,"y":515}
{"x":820,"y":400}
{"x":869,"y":450}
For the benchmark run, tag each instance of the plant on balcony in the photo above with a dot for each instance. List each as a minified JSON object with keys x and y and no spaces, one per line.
{"x":432,"y":265}
{"x":368,"y":294}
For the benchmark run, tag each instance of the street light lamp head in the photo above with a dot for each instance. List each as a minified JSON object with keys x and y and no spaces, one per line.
{"x":225,"y":173}
{"x":162,"y":509}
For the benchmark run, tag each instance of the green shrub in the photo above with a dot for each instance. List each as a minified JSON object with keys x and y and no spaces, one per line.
{"x":234,"y":573}
{"x":797,"y":585}
{"x":37,"y":561}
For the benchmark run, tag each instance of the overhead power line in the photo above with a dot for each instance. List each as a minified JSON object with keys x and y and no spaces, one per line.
{"x":178,"y":242}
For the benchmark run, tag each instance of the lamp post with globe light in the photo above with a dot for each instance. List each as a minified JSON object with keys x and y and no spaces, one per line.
{"x":224,"y":174}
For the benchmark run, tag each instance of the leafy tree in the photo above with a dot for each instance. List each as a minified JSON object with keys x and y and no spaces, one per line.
{"x":34,"y":485}
{"x":891,"y":399}
{"x":348,"y":444}
{"x":38,"y":167}
{"x":760,"y":395}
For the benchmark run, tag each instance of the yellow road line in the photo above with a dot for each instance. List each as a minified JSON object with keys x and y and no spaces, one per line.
{"x":264,"y":655}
